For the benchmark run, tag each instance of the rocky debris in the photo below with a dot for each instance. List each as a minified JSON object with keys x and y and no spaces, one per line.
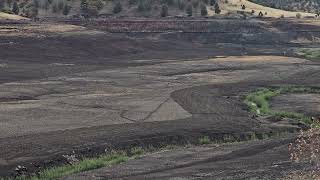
{"x":21,"y":170}
{"x":71,"y":159}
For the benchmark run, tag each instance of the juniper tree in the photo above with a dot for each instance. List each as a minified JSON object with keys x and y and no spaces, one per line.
{"x":117,"y":7}
{"x":164,"y":11}
{"x":204,"y":11}
{"x":66,"y":10}
{"x":189,"y":10}
{"x":217,"y":9}
{"x":15,"y":8}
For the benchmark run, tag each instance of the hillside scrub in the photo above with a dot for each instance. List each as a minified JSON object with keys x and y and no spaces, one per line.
{"x":93,"y":8}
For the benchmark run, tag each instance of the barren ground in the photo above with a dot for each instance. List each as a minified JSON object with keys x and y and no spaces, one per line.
{"x":87,"y":90}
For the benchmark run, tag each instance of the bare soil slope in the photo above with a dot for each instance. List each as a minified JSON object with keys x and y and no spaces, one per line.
{"x":86,"y":90}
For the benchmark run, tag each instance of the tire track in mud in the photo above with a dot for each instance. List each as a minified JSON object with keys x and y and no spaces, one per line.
{"x":122,"y":114}
{"x":239,"y":153}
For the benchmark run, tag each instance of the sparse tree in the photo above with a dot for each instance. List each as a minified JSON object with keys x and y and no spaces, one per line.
{"x":32,"y":11}
{"x":60,"y":5}
{"x":84,"y":8}
{"x":205,"y":1}
{"x":55,"y":8}
{"x":66,"y":10}
{"x":98,"y":4}
{"x":36,"y":3}
{"x":298,"y":15}
{"x":146,"y":5}
{"x":204,"y":10}
{"x":195,"y":3}
{"x":164,"y":11}
{"x":46,"y":4}
{"x":189,"y":10}
{"x":217,"y":9}
{"x":212,"y":2}
{"x":15,"y":8}
{"x":1,"y":4}
{"x":243,"y":7}
{"x":132,"y":2}
{"x":9,"y":3}
{"x":117,"y":8}
{"x":181,"y":4}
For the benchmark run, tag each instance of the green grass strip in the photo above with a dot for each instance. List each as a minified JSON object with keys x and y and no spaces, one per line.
{"x":84,"y":165}
{"x":310,"y":53}
{"x":258,"y":102}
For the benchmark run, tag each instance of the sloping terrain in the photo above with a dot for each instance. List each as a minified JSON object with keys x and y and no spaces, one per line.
{"x":230,"y":161}
{"x":292,"y":5}
{"x":145,"y":8}
{"x":85,"y":90}
{"x":5,"y":16}
{"x":235,"y":5}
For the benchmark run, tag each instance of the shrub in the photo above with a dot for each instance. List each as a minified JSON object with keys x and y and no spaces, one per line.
{"x":117,"y":8}
{"x":84,"y":8}
{"x":217,"y":9}
{"x":164,"y":11}
{"x":132,"y":2}
{"x":32,"y":11}
{"x":90,"y":7}
{"x":212,"y":2}
{"x":45,"y":4}
{"x":195,"y":3}
{"x":204,"y":11}
{"x":189,"y":10}
{"x":66,"y":9}
{"x":298,"y":15}
{"x":205,"y":1}
{"x":55,"y":8}
{"x":98,"y":4}
{"x":204,"y":140}
{"x":15,"y":8}
{"x":181,"y":4}
{"x":36,"y":3}
{"x":9,"y":3}
{"x":136,"y":151}
{"x":1,"y":5}
{"x":145,"y":5}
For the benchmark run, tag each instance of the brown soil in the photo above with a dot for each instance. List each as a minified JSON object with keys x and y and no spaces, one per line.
{"x":84,"y":92}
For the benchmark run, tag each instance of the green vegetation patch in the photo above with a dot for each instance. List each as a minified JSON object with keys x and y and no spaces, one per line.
{"x":258,"y":102}
{"x":85,"y":165}
{"x":204,"y":140}
{"x":81,"y":166}
{"x":310,"y":53}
